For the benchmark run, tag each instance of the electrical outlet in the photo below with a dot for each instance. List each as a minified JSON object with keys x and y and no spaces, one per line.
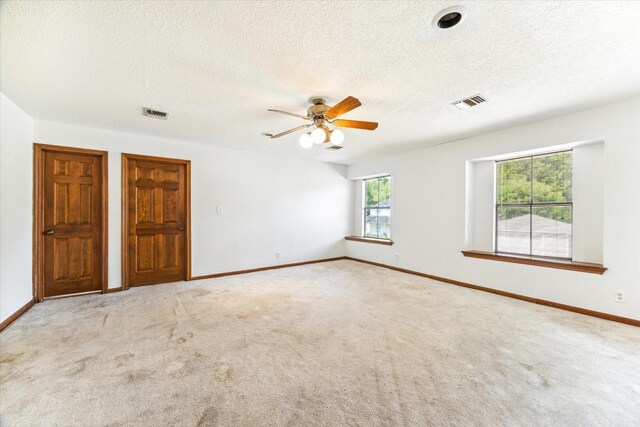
{"x":397,"y":256}
{"x":619,"y":297}
{"x":277,"y":255}
{"x":219,"y":210}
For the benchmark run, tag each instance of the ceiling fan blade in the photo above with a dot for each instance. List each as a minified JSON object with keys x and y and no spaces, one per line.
{"x":344,"y":106}
{"x":287,"y":132}
{"x":356,"y":124}
{"x":290,"y":114}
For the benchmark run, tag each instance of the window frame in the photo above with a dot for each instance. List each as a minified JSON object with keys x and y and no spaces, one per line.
{"x":365,"y":207}
{"x":531,"y":205}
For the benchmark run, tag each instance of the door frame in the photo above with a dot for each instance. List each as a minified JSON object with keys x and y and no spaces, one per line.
{"x":125,"y":211}
{"x":39,"y":151}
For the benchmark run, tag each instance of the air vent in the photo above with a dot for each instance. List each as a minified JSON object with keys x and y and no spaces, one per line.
{"x":334,"y":147}
{"x":472,"y":101}
{"x":155,"y":113}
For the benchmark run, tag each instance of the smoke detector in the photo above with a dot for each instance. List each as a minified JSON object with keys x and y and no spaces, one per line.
{"x":150,"y":112}
{"x":469,"y":102}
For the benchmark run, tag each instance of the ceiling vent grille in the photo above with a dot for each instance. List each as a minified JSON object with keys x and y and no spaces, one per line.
{"x":469,"y":102}
{"x":334,"y":147}
{"x":150,"y":112}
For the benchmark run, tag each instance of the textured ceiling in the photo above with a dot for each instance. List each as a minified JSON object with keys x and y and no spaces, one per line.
{"x":217,"y":66}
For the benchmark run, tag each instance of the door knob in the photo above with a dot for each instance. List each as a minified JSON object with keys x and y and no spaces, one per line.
{"x":181,"y":228}
{"x":48,"y":232}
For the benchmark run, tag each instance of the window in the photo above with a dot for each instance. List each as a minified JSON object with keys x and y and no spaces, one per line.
{"x":377,"y":207}
{"x":534,"y":209}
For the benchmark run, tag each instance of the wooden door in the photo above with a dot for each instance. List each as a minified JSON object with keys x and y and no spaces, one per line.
{"x":72,"y":227}
{"x":157,"y":220}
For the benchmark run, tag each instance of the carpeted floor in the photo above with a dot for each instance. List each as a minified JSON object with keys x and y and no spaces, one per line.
{"x":339,"y":343}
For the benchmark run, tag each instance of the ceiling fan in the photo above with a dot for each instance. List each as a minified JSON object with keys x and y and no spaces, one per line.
{"x":320,"y":115}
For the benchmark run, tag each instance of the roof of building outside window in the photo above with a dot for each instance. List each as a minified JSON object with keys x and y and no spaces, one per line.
{"x":386,"y":203}
{"x":539,"y":224}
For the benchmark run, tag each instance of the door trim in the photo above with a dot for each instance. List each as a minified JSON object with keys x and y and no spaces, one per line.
{"x":39,"y":151}
{"x":125,"y":211}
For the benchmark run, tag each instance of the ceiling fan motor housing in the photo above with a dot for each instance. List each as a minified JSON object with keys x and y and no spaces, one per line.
{"x":317,"y":110}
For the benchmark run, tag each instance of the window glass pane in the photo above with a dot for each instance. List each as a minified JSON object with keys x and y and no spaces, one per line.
{"x":377,"y":190}
{"x":551,"y":231}
{"x":514,"y":230}
{"x":371,"y":192}
{"x":384,"y":223}
{"x":513,"y":179}
{"x":371,"y":222}
{"x":552,"y":178}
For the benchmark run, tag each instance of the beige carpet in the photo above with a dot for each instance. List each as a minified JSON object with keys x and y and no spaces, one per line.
{"x":340,"y":343}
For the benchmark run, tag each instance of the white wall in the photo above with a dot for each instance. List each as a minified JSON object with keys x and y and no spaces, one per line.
{"x":480,"y":191}
{"x":299,"y":208}
{"x":429,"y":210}
{"x":16,"y":160}
{"x":588,"y":205}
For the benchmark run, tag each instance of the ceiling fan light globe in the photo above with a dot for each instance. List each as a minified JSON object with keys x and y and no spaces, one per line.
{"x":305,"y":141}
{"x":318,"y":136}
{"x":337,"y":137}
